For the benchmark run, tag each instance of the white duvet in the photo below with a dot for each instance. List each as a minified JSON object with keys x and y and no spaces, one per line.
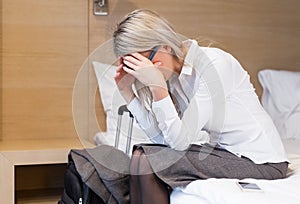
{"x":226,"y":191}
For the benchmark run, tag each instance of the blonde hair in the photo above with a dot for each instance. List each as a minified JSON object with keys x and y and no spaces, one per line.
{"x":143,"y":30}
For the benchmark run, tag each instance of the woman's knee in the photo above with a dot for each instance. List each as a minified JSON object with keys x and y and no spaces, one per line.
{"x":139,"y":164}
{"x":134,"y":162}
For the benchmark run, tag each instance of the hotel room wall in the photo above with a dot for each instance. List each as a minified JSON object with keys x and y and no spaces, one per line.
{"x":44,"y":44}
{"x":260,"y":34}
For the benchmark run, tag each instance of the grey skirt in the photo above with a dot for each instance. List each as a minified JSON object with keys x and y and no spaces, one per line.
{"x":106,"y":170}
{"x":179,"y":168}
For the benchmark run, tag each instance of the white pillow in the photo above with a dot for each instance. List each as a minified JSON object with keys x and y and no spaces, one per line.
{"x":112,"y":100}
{"x":281,"y":99}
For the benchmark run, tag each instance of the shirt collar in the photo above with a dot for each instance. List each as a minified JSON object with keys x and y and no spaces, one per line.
{"x":187,"y":67}
{"x":188,"y":64}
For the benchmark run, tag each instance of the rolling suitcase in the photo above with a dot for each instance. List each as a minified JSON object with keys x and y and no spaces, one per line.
{"x":76,"y":190}
{"x":121,"y":111}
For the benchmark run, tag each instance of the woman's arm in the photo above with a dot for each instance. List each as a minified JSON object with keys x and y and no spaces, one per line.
{"x":180,"y":133}
{"x":146,"y":121}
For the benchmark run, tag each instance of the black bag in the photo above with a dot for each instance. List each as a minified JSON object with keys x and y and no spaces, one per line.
{"x":76,"y":191}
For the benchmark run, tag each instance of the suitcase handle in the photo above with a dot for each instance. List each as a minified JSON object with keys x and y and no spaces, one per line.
{"x":121,"y":110}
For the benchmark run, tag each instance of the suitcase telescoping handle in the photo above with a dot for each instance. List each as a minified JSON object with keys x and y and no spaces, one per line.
{"x":121,"y":110}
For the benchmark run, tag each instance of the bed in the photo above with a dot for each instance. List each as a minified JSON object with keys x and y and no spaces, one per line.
{"x":226,"y":191}
{"x":280,"y":99}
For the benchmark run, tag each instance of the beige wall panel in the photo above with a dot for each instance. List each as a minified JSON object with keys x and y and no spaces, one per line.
{"x":44,"y":44}
{"x":43,"y":113}
{"x":261,"y":34}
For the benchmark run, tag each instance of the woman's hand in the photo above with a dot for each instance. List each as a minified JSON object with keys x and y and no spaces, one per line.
{"x":124,"y":82}
{"x":147,"y":73}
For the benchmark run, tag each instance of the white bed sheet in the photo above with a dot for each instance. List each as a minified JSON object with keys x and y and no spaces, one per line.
{"x":226,"y":191}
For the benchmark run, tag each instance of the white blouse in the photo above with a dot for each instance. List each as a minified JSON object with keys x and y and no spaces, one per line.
{"x":212,"y":93}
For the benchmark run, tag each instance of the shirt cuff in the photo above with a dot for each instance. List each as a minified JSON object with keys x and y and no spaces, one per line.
{"x":146,"y":123}
{"x":134,"y":106}
{"x":164,"y":110}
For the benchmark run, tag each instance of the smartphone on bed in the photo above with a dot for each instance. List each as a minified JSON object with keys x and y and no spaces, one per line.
{"x":245,"y":186}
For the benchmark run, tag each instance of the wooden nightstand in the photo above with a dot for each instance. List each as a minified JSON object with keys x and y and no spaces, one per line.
{"x":14,"y":154}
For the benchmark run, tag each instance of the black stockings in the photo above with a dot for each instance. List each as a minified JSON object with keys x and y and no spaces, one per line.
{"x":145,"y":186}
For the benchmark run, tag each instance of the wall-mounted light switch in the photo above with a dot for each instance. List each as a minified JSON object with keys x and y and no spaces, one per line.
{"x":100,"y":7}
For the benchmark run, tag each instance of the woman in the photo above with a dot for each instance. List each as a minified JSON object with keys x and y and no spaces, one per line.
{"x":182,"y":90}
